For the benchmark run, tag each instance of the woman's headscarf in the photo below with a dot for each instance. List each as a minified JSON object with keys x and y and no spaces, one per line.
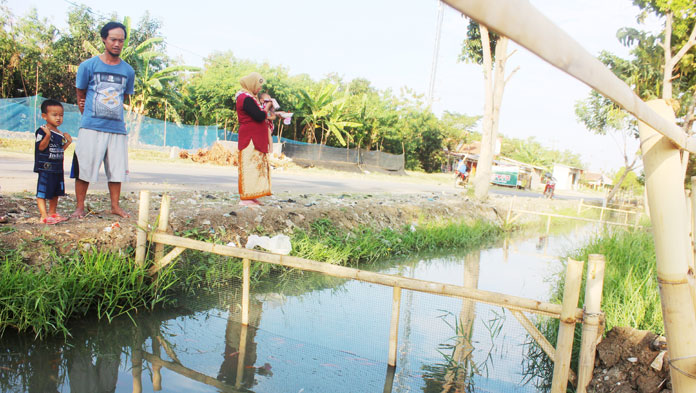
{"x":252,"y":83}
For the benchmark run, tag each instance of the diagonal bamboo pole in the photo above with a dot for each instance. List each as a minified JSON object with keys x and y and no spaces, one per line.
{"x":524,"y":24}
{"x":665,"y":190}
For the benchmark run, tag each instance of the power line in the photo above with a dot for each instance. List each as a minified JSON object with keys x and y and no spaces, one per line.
{"x":436,"y":52}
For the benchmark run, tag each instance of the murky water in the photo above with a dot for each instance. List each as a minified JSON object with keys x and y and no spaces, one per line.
{"x":310,"y":334}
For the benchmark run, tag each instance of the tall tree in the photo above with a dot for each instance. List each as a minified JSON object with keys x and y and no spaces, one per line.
{"x":489,"y":50}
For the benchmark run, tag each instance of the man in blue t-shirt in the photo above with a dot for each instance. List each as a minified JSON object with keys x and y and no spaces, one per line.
{"x":103,"y":84}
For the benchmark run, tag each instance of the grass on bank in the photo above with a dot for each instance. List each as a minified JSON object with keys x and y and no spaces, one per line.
{"x":108,"y":285}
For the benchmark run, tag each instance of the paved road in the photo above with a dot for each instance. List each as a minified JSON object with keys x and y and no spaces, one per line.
{"x":16,"y":175}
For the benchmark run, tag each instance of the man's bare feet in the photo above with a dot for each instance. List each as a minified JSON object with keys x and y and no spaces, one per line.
{"x":119,"y":212}
{"x":78,"y":213}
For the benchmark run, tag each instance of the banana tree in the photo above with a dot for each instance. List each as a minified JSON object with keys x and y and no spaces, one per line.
{"x":322,"y":110}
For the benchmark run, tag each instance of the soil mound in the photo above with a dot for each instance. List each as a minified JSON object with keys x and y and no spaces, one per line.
{"x":630,"y":360}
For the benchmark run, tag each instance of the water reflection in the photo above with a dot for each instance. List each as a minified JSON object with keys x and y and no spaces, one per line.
{"x":316,"y":334}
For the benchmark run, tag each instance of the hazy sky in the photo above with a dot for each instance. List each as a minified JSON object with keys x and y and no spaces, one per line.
{"x":390,"y":43}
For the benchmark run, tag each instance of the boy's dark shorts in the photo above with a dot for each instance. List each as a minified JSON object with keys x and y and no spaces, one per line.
{"x":50,"y":185}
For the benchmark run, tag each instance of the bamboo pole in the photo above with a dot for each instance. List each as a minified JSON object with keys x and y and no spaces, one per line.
{"x":243,"y":334}
{"x":591,"y":321}
{"x":162,"y":225}
{"x":601,"y":215}
{"x":667,"y":209}
{"x":548,"y":225}
{"x":141,"y":236}
{"x":524,"y":24}
{"x":566,"y":328}
{"x":580,"y":206}
{"x":394,"y":326}
{"x":502,"y":300}
{"x":246,"y":267}
{"x":689,"y":228}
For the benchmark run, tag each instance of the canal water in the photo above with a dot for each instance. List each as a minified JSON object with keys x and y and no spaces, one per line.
{"x":312,"y":333}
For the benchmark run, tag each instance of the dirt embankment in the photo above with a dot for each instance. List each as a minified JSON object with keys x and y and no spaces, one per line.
{"x":220,"y":214}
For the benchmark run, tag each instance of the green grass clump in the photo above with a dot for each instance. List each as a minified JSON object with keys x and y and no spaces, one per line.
{"x":326,"y":242}
{"x":44,"y":300}
{"x":631,"y":296}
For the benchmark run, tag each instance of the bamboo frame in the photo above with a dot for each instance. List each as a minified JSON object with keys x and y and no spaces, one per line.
{"x":574,"y":218}
{"x":502,"y":300}
{"x":568,"y":312}
{"x":524,"y":24}
{"x":591,"y":332}
{"x":394,"y":326}
{"x":141,"y":231}
{"x":566,"y":328}
{"x":667,"y":207}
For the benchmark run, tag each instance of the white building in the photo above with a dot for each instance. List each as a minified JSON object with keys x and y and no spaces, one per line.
{"x":567,"y":177}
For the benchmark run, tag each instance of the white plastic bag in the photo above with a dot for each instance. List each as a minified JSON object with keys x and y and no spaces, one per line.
{"x":278,"y":244}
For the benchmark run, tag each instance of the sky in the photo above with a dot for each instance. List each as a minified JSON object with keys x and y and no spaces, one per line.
{"x":390,"y":43}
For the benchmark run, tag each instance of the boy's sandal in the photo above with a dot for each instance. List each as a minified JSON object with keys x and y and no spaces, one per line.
{"x":50,"y":221}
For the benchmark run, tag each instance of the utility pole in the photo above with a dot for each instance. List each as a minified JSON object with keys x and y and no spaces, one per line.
{"x":436,"y":51}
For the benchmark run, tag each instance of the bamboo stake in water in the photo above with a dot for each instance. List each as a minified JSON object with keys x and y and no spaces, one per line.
{"x":156,"y":368}
{"x":141,"y":237}
{"x":246,"y":267}
{"x":665,"y":191}
{"x":580,"y":206}
{"x":394,"y":326}
{"x":241,"y":356}
{"x":591,"y":321}
{"x":162,"y":225}
{"x":566,"y":328}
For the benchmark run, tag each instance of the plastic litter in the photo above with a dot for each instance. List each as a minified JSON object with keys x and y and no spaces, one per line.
{"x":278,"y":244}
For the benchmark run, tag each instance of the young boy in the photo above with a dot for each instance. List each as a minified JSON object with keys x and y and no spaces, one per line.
{"x":48,"y":161}
{"x":266,"y":98}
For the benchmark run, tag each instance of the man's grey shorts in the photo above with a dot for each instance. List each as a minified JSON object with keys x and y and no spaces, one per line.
{"x":93,"y":148}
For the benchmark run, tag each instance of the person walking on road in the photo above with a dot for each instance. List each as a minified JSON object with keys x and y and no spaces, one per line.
{"x":103,"y":84}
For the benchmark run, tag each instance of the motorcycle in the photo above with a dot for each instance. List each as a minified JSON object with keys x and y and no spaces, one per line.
{"x":549,"y":189}
{"x":460,"y":179}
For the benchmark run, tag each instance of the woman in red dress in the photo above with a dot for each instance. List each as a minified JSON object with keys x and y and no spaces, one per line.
{"x":253,"y":142}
